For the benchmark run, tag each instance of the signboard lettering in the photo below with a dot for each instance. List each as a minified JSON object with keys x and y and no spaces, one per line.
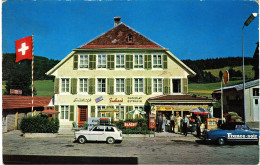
{"x":15,"y":92}
{"x":130,"y":124}
{"x":82,"y":100}
{"x":99,"y":99}
{"x":111,"y":100}
{"x":231,"y":136}
{"x":134,"y":100}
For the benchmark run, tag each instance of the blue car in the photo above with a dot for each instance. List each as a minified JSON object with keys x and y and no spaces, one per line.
{"x":228,"y":132}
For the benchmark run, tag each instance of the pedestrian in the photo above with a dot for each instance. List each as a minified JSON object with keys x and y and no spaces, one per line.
{"x":178,"y":122}
{"x":198,"y":123}
{"x":172,"y":123}
{"x":163,"y":123}
{"x":160,"y":122}
{"x":185,"y":125}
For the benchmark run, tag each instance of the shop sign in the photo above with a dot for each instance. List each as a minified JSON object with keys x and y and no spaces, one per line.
{"x":15,"y":92}
{"x":111,"y":100}
{"x":130,"y":124}
{"x":82,"y":100}
{"x":164,"y":108}
{"x":99,"y":99}
{"x":212,"y":123}
{"x":134,"y":99}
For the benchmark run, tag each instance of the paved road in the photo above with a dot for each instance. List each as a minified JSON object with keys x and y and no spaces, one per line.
{"x":174,"y":149}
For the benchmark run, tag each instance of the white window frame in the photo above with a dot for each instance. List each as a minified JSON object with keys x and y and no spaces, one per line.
{"x":138,"y":64}
{"x":103,"y":65}
{"x":172,"y":85}
{"x":138,"y":85}
{"x":115,"y":85}
{"x":101,"y":108}
{"x":155,"y":65}
{"x":66,"y":83}
{"x":64,"y":113}
{"x":85,"y":92}
{"x":84,"y":60}
{"x":121,"y":66}
{"x":157,"y":85}
{"x":101,"y":84}
{"x":121,"y":106}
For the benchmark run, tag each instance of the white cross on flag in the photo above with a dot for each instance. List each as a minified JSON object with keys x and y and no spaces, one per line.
{"x":23,"y":49}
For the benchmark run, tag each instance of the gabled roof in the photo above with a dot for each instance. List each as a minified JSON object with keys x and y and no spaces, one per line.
{"x":17,"y":102}
{"x":239,"y":87}
{"x":118,"y":38}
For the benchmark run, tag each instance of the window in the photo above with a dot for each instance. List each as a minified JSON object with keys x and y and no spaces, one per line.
{"x":110,"y":129}
{"x":121,"y":112}
{"x":130,"y":38}
{"x":157,"y":85}
{"x":83,"y":61}
{"x":64,"y":114}
{"x":138,"y":107}
{"x":176,"y":83}
{"x":120,"y":85}
{"x":157,"y":61}
{"x":139,"y":85}
{"x":138,"y":61}
{"x":255,"y":91}
{"x":99,"y":108}
{"x":83,"y":85}
{"x":102,"y":61}
{"x":120,"y":61}
{"x":99,"y":128}
{"x":65,"y":85}
{"x":101,"y":85}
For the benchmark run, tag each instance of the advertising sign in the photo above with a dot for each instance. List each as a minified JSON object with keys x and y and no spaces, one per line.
{"x":15,"y":92}
{"x":130,"y":124}
{"x":92,"y":121}
{"x":212,"y":123}
{"x":99,"y":99}
{"x":152,"y":121}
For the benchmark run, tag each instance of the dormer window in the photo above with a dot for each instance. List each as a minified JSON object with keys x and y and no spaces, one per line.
{"x":130,"y":38}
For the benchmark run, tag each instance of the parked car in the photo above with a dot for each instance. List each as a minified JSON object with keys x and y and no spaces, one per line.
{"x":107,"y":132}
{"x":229,"y":132}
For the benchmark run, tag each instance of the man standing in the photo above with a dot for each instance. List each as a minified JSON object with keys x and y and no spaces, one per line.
{"x":178,"y":122}
{"x":172,"y":123}
{"x":160,"y":122}
{"x":185,"y":125}
{"x":198,"y":122}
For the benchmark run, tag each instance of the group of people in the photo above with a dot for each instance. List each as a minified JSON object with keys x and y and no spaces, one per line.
{"x":180,"y":123}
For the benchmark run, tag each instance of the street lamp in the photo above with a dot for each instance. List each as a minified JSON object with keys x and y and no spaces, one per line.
{"x":247,"y":22}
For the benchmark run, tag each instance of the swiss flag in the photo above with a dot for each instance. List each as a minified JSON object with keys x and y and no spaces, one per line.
{"x":23,"y":48}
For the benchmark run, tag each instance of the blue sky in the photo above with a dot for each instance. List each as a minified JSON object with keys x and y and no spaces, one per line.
{"x":191,"y":29}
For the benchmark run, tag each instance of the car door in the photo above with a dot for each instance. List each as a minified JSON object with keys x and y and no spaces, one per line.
{"x":96,"y":133}
{"x":109,"y":132}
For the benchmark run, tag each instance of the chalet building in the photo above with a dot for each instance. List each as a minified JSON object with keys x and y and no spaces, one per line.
{"x":120,"y":69}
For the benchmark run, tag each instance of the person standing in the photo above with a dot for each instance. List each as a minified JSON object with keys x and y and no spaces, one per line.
{"x":185,"y":125}
{"x":160,"y":122}
{"x":198,"y":123}
{"x":163,"y":123}
{"x":178,"y":122}
{"x":172,"y":123}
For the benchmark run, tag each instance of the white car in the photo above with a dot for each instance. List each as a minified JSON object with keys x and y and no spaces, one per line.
{"x":108,"y":133}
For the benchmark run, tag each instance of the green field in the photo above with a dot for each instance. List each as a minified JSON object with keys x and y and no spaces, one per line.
{"x":44,"y":88}
{"x":249,"y":73}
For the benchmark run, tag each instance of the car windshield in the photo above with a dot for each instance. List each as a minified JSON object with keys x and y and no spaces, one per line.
{"x":98,"y":128}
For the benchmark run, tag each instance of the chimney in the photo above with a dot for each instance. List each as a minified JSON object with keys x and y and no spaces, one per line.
{"x":117,"y":21}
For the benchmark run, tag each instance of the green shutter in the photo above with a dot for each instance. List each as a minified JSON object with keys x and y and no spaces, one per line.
{"x":148,"y":86}
{"x":110,"y":86}
{"x":93,"y":111}
{"x":92,"y":61}
{"x":129,"y":61}
{"x":110,"y":61}
{"x":91,"y":86}
{"x":56,"y":108}
{"x":73,"y":86}
{"x":165,"y":62}
{"x":129,"y":108}
{"x":184,"y":85}
{"x":148,"y":61}
{"x":166,"y":86}
{"x":75,"y":62}
{"x":72,"y":113}
{"x":56,"y":85}
{"x":129,"y":88}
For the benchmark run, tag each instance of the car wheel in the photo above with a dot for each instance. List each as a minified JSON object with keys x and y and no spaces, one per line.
{"x":82,"y":139}
{"x":110,"y":140}
{"x":221,"y":141}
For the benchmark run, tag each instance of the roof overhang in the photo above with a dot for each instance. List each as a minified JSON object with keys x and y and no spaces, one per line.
{"x":121,"y":49}
{"x":181,"y":101}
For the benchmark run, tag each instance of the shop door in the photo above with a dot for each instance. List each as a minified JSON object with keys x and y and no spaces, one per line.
{"x":256,"y":109}
{"x":83,"y":115}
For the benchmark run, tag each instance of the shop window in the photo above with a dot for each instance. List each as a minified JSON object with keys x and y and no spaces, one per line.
{"x":83,"y":61}
{"x":157,"y":61}
{"x":138,"y":61}
{"x":176,"y":85}
{"x":120,"y":61}
{"x":65,"y":85}
{"x":99,"y":107}
{"x":101,"y":83}
{"x":102,"y":61}
{"x":121,"y":113}
{"x":83,"y":85}
{"x":255,"y":91}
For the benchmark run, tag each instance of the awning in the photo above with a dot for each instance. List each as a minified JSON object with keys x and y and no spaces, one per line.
{"x":109,"y":110}
{"x":49,"y":112}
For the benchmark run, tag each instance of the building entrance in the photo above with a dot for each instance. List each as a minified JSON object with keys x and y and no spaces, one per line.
{"x":82,"y":115}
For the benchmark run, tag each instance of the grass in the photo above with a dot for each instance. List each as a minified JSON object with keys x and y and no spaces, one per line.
{"x":44,"y":88}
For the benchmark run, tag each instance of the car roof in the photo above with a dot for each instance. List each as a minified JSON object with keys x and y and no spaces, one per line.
{"x":105,"y":125}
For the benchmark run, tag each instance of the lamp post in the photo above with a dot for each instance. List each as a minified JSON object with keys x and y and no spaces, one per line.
{"x":247,"y":22}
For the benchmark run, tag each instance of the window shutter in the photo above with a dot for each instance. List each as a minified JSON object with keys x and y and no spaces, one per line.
{"x":92,"y":61}
{"x":110,"y":86}
{"x":75,"y":62}
{"x":129,"y":88}
{"x":93,"y":111}
{"x":91,"y":86}
{"x":129,"y":108}
{"x":110,"y":61}
{"x":56,"y":85}
{"x":166,"y":86}
{"x":148,"y":61}
{"x":72,"y":113}
{"x":129,"y":61}
{"x":148,"y":86}
{"x":165,"y":62}
{"x":56,"y":108}
{"x":73,"y":86}
{"x":184,"y":85}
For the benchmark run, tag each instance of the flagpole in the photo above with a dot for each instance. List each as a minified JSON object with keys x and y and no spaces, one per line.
{"x":32,"y":72}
